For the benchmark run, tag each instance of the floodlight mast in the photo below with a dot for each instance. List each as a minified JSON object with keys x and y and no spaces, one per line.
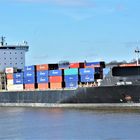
{"x":137,"y":51}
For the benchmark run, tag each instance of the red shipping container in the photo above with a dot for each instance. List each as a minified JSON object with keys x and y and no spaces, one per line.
{"x":56,"y":85}
{"x":55,"y":79}
{"x":9,"y":76}
{"x":77,"y":65}
{"x":43,"y":86}
{"x":74,"y":65}
{"x":29,"y":86}
{"x":42,"y":67}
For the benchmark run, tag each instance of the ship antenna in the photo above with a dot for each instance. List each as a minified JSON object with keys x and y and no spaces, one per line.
{"x":2,"y":40}
{"x":137,"y":51}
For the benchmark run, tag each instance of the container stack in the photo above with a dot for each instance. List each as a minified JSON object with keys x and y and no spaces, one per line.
{"x":18,"y":81}
{"x":86,"y":75}
{"x":9,"y":76}
{"x":30,"y":77}
{"x":71,"y":78}
{"x":98,"y":66}
{"x":56,"y":79}
{"x":42,"y":76}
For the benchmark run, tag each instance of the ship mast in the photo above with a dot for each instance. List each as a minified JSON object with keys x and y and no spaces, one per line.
{"x":2,"y":40}
{"x":137,"y":51}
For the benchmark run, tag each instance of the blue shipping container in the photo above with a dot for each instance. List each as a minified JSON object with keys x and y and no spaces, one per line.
{"x":71,"y":84}
{"x":30,"y":80}
{"x":85,"y":71}
{"x":29,"y":68}
{"x":87,"y":78}
{"x":42,"y":73}
{"x":68,"y":78}
{"x":18,"y":81}
{"x":92,"y":63}
{"x":42,"y":79}
{"x":55,"y":72}
{"x":18,"y":75}
{"x":29,"y":74}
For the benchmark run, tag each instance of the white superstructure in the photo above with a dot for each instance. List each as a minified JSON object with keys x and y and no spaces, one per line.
{"x":12,"y":55}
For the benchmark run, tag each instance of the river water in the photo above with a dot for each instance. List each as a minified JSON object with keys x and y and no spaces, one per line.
{"x":68,"y":124}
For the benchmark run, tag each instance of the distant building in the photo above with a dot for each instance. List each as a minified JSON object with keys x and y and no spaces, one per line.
{"x":12,"y":55}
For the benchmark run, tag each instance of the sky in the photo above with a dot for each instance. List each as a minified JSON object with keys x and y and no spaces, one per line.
{"x":72,"y":30}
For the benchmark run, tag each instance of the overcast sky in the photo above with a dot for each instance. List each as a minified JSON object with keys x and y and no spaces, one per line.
{"x":74,"y":30}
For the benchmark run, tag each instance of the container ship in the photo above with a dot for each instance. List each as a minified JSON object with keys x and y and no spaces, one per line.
{"x":65,"y":82}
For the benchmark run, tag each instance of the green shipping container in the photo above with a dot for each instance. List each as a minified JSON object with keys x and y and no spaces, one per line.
{"x":72,"y":71}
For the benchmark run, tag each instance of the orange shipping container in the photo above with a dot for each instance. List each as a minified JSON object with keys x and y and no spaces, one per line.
{"x":9,"y":76}
{"x":42,"y":67}
{"x":55,"y":79}
{"x":56,"y":85}
{"x":127,"y":65}
{"x":43,"y":86}
{"x":29,"y":86}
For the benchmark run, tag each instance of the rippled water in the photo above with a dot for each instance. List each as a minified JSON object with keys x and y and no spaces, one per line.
{"x":68,"y":124}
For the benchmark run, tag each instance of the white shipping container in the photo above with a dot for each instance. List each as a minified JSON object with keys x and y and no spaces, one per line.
{"x":10,"y":70}
{"x":10,"y":82}
{"x":15,"y":87}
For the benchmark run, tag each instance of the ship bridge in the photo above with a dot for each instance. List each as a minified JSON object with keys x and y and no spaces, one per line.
{"x":12,"y":55}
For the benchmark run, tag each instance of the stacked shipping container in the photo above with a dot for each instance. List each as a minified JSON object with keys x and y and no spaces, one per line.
{"x":98,"y":66}
{"x":42,"y":76}
{"x":56,"y":79}
{"x":9,"y":77}
{"x":52,"y":76}
{"x":30,"y":77}
{"x":14,"y":80}
{"x":71,"y":77}
{"x":18,"y":80}
{"x":86,"y":75}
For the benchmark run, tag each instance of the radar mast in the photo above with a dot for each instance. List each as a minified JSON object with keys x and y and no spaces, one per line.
{"x":2,"y":40}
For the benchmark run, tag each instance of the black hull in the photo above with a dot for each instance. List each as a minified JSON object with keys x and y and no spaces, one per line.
{"x":106,"y":94}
